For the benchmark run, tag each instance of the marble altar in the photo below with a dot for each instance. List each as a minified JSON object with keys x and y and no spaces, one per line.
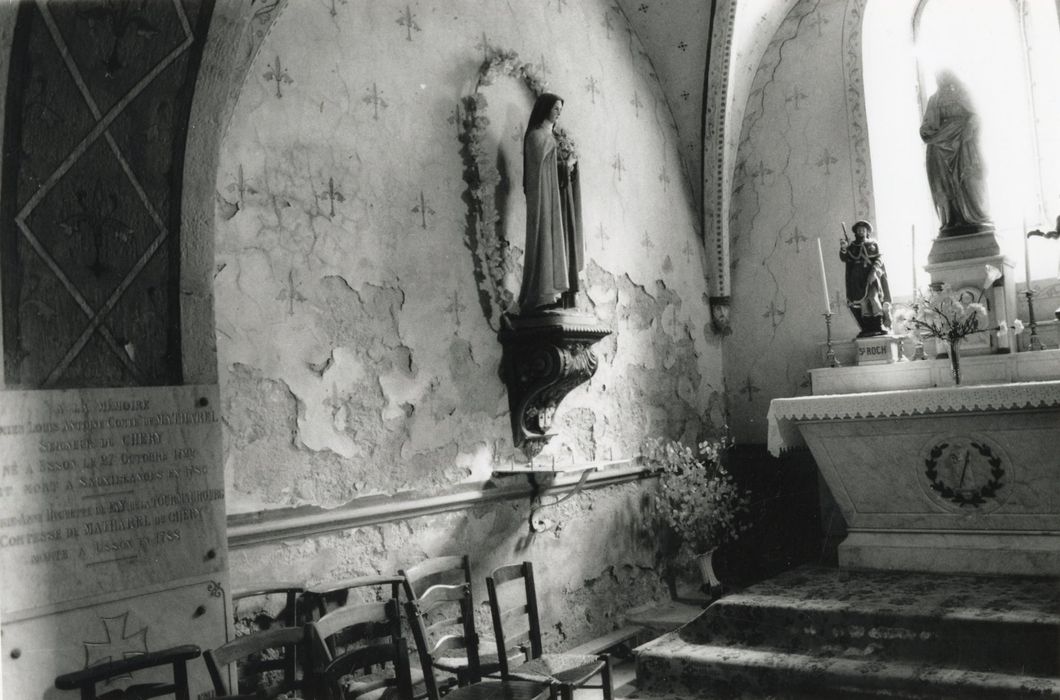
{"x":962,"y":479}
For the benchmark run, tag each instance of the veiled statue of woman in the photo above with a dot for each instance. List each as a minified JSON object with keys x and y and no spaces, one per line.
{"x":555,"y":249}
{"x":955,"y":169}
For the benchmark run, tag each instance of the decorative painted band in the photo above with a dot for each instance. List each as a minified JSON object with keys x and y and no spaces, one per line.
{"x":274,"y":525}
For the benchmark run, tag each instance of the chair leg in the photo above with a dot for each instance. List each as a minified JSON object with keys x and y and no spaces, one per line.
{"x":605,"y":678}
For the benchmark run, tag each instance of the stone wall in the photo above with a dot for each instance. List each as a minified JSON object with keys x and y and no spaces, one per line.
{"x":357,"y":357}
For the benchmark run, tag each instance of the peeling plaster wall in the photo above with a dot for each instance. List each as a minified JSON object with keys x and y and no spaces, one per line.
{"x":801,"y":169}
{"x":354,"y":358}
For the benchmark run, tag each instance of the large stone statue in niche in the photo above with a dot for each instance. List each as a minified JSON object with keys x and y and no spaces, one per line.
{"x":555,"y":249}
{"x":955,"y":169}
{"x":866,"y":281}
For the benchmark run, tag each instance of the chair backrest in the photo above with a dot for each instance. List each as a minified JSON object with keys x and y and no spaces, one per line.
{"x":451,"y":569}
{"x":360,"y":640}
{"x":435,"y":634}
{"x":86,"y":679}
{"x":319,"y":595}
{"x":249,"y":654}
{"x":513,"y":607}
{"x":291,"y":615}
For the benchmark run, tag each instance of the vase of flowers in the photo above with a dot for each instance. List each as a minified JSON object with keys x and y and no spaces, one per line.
{"x":946,"y":316}
{"x":697,"y":505}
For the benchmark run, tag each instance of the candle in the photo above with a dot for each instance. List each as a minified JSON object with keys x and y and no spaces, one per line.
{"x":1026,"y":256}
{"x":913,"y":254}
{"x":824,"y":279}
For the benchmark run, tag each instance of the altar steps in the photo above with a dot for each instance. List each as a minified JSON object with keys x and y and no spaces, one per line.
{"x":815,"y":632}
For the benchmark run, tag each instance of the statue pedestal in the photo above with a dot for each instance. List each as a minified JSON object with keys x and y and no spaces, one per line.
{"x":965,"y":277}
{"x":966,"y":247}
{"x":877,"y":350}
{"x":545,"y":357}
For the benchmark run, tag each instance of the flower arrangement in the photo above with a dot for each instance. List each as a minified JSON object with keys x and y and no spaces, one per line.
{"x":568,"y":152}
{"x":949,"y":316}
{"x":942,"y":315}
{"x":697,"y":499}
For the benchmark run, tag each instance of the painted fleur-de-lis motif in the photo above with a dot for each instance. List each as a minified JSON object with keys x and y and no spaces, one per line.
{"x":455,"y":307}
{"x":646,"y":242}
{"x":826,"y":161}
{"x":278,"y":74}
{"x":750,"y":389}
{"x":818,"y":22}
{"x":643,"y":7}
{"x":795,"y":239}
{"x":637,"y":104}
{"x":664,"y":178}
{"x":774,"y":313}
{"x":375,"y":98}
{"x":604,"y":238}
{"x":683,"y":45}
{"x":796,"y":97}
{"x":290,"y":293}
{"x":408,"y":21}
{"x":618,"y":166}
{"x":760,"y":172}
{"x":97,"y":221}
{"x":241,"y":188}
{"x":592,"y":86}
{"x":334,"y":10}
{"x":423,"y":209}
{"x":332,"y":194}
{"x":123,"y":18}
{"x":685,"y":94}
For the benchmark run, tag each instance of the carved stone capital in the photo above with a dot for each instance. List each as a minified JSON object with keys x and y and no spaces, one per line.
{"x":545,"y":357}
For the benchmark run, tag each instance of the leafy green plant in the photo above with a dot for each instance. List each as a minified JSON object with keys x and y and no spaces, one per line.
{"x":696,"y":500}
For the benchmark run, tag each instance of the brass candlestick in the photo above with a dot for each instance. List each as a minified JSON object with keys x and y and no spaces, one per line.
{"x":830,"y":355}
{"x":1035,"y":342}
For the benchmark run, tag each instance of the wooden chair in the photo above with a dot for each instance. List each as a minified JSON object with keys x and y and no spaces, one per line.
{"x":86,"y":679}
{"x":251,"y":655}
{"x":464,"y":640}
{"x":318,"y":596}
{"x":292,"y":614}
{"x":448,"y":571}
{"x":351,"y":648}
{"x":513,"y":605}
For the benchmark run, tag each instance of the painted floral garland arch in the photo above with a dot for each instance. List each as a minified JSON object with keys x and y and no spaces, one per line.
{"x":491,"y":252}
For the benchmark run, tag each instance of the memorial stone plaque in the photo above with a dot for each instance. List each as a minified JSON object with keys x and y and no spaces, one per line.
{"x":112,"y":527}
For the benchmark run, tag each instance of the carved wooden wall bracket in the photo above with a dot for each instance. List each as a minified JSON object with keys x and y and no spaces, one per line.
{"x":544,"y":358}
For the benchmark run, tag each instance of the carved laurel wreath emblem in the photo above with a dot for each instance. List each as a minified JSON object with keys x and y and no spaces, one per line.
{"x":974,"y":497}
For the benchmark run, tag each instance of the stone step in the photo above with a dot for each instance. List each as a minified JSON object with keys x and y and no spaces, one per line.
{"x":820,"y":631}
{"x":969,"y":638}
{"x":673,"y":667}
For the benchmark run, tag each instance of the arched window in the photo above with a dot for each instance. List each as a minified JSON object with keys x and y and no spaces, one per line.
{"x":1004,"y":53}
